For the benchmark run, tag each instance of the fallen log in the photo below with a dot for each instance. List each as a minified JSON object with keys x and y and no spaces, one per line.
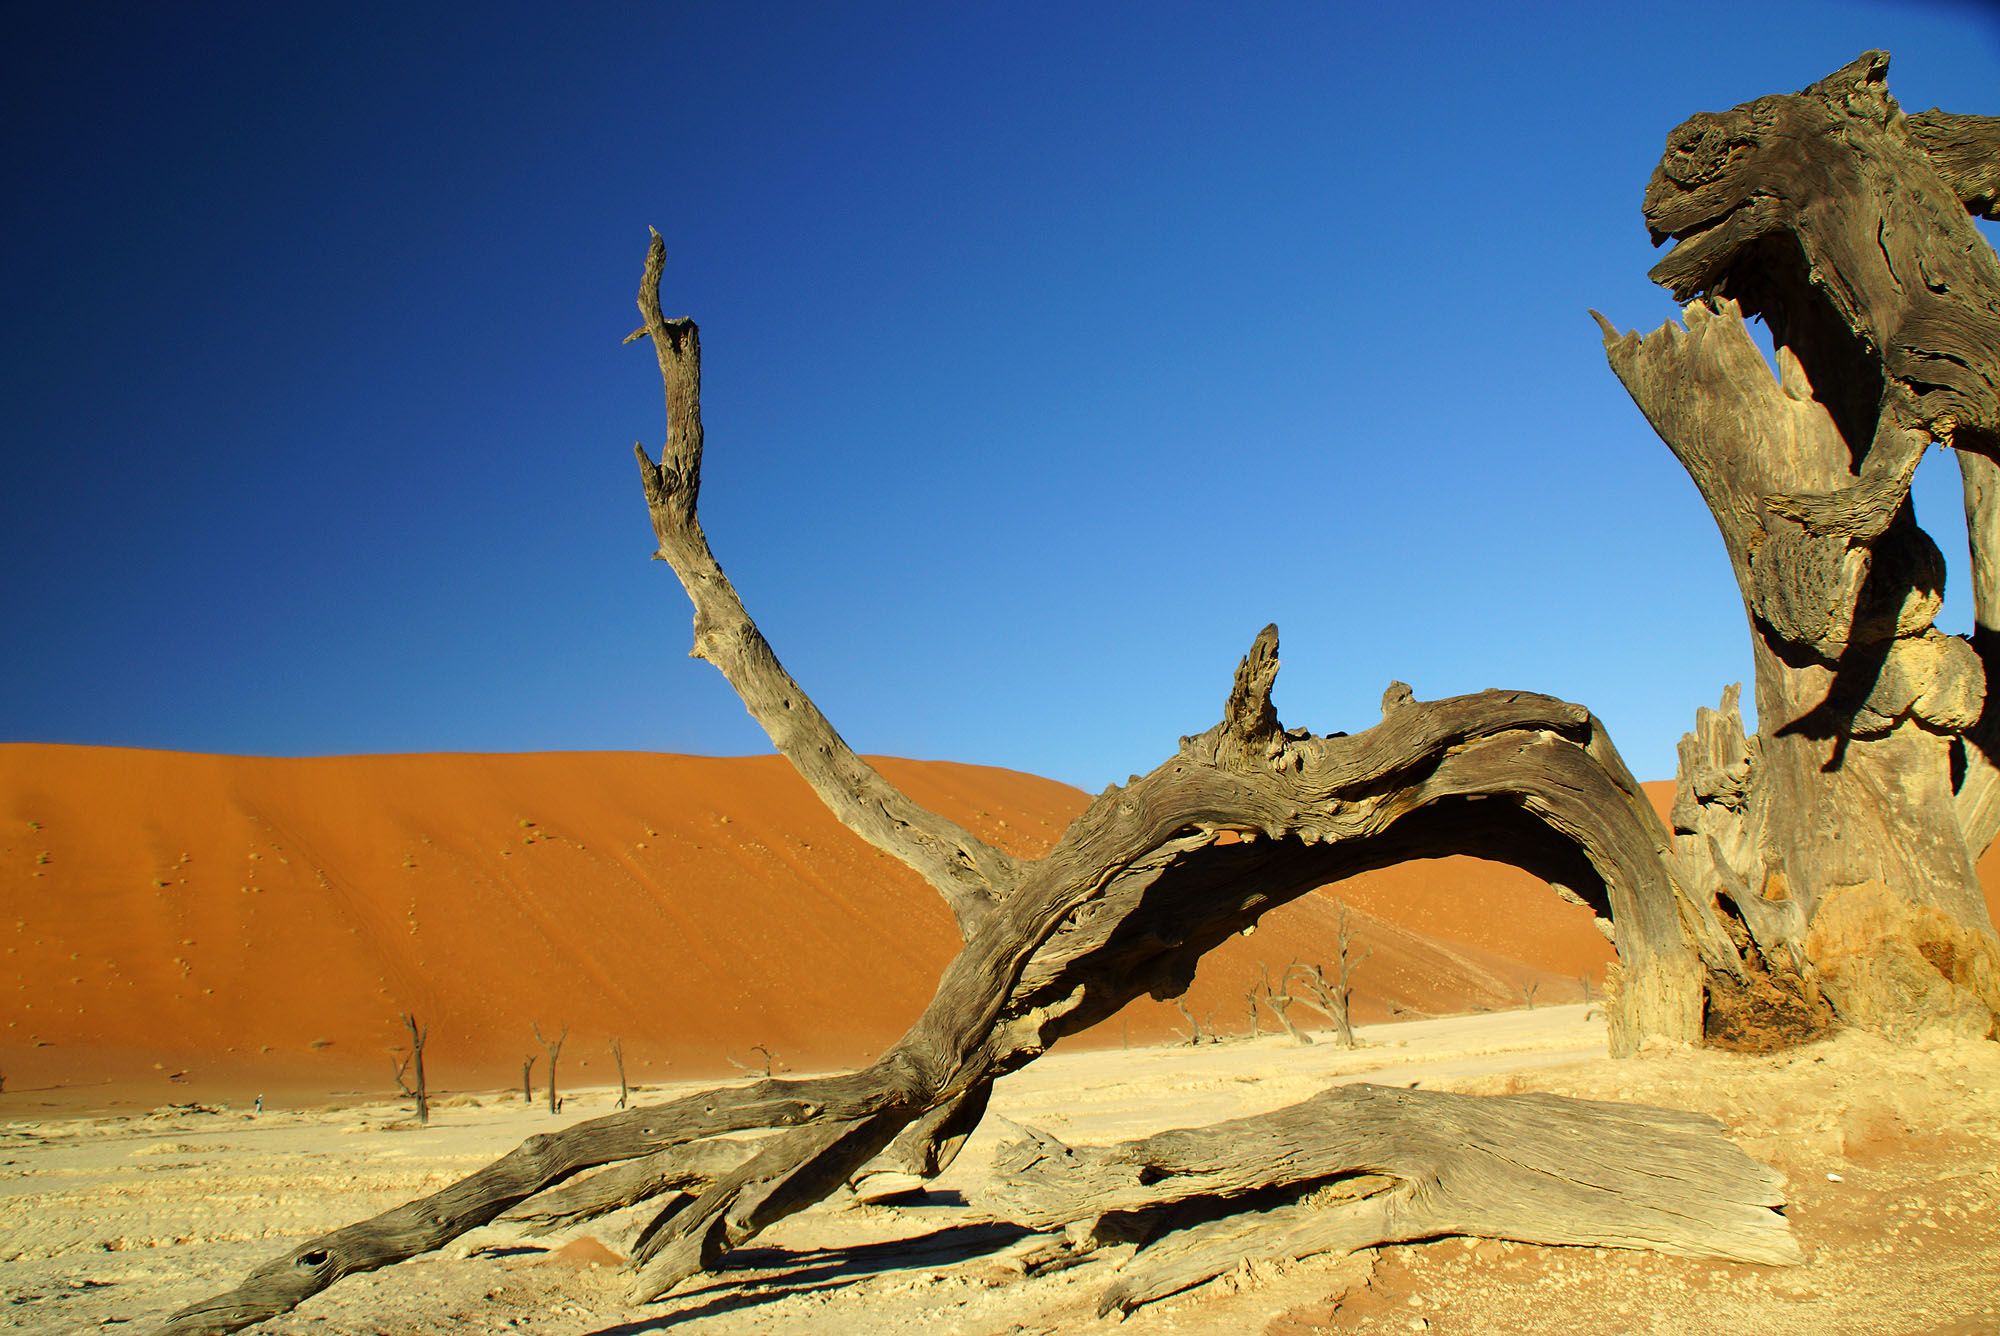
{"x":1361,"y":1165}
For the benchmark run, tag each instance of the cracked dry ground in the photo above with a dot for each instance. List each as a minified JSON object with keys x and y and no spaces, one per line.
{"x":1892,"y":1153}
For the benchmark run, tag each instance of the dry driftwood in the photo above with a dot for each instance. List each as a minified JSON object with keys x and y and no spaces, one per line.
{"x":1722,"y":926}
{"x":1411,"y":1164}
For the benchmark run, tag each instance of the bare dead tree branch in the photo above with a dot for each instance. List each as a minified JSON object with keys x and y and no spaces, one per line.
{"x":1278,"y":997}
{"x":969,"y":873}
{"x":421,"y":1094}
{"x":1194,"y":1026}
{"x":554,"y":1046}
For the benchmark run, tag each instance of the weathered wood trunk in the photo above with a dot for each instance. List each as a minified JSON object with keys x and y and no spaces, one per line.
{"x":1842,"y":837}
{"x":1396,"y":1165}
{"x":1821,"y":869}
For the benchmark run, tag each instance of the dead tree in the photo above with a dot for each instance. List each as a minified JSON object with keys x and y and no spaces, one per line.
{"x":412,"y":1066}
{"x":1583,"y":980}
{"x":618,"y":1057}
{"x":1362,"y":1165}
{"x":764,"y":1069}
{"x":1250,"y":1005}
{"x":527,"y":1080}
{"x":1528,"y":990}
{"x":1249,"y":814}
{"x":1278,"y":997}
{"x":1331,"y":999}
{"x":554,"y":1047}
{"x":1840,"y":840}
{"x":1194,"y":1026}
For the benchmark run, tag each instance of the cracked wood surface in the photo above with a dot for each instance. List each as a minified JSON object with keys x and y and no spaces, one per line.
{"x":1532,"y":1168}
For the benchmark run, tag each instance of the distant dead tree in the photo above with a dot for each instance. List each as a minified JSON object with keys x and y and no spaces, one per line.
{"x":1194,"y":1031}
{"x":1529,"y":989}
{"x":1331,"y":998}
{"x":1278,"y":997}
{"x":618,"y":1056}
{"x":1584,"y":980}
{"x":527,"y":1079}
{"x":412,"y":1066}
{"x":1844,"y":224}
{"x":555,"y":1051}
{"x":1250,"y":1005}
{"x":762,"y":1070}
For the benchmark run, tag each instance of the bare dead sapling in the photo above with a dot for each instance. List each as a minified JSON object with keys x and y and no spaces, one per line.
{"x":1331,"y":998}
{"x":1278,"y":998}
{"x":1194,"y":1033}
{"x":410,"y":1070}
{"x":618,"y":1057}
{"x":554,"y":1047}
{"x":762,"y":1067}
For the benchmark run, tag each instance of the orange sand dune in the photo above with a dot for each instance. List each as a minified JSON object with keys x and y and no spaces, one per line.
{"x":244,"y":924}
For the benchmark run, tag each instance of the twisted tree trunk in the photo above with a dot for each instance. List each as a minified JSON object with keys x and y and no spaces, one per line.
{"x":1842,"y":837}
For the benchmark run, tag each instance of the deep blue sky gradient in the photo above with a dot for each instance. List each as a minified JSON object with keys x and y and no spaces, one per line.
{"x":1050,"y":351}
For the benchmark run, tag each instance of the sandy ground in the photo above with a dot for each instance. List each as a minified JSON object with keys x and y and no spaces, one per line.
{"x":1892,"y":1155}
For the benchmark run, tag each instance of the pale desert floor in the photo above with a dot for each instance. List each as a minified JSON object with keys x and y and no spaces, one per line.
{"x":1893,"y":1157}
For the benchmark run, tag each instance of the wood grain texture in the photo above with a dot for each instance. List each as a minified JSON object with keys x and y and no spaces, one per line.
{"x":1533,"y":1168}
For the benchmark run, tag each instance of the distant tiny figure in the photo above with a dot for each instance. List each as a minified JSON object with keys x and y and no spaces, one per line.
{"x":260,"y":1103}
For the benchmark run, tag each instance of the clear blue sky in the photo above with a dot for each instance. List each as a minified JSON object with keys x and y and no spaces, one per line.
{"x":1051,"y":350}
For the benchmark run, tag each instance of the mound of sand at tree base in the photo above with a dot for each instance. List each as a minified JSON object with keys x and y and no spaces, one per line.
{"x":184,"y":926}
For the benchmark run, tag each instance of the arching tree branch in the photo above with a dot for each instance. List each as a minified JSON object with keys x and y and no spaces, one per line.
{"x":970,"y":874}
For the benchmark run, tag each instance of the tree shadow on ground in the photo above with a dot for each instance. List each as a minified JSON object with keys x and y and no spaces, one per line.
{"x":785,"y":1273}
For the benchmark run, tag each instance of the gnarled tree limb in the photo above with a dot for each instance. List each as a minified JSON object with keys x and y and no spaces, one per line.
{"x":968,"y":872}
